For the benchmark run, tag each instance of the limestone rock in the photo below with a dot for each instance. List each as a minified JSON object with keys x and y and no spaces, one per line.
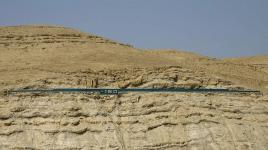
{"x":44,"y":57}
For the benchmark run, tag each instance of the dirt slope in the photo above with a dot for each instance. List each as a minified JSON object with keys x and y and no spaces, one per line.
{"x":50,"y":56}
{"x":31,"y":49}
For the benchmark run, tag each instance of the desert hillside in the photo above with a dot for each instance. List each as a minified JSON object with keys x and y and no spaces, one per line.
{"x":56,"y":57}
{"x":35,"y":51}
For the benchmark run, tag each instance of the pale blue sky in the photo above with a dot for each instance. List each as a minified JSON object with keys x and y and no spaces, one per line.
{"x":216,"y":28}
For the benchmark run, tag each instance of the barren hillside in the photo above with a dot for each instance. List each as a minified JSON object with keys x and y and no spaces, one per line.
{"x":51,"y":57}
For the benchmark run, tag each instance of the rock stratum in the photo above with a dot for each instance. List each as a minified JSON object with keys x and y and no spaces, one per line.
{"x":51,"y":57}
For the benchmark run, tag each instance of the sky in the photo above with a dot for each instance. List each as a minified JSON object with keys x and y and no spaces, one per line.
{"x":215,"y":28}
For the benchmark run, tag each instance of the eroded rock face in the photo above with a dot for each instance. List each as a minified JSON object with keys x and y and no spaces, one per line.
{"x":134,"y":120}
{"x":41,"y":57}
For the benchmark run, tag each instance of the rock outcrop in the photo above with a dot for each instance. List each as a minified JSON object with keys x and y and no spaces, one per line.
{"x":134,"y":121}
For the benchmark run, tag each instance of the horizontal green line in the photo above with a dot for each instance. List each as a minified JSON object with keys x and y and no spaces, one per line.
{"x":117,"y":90}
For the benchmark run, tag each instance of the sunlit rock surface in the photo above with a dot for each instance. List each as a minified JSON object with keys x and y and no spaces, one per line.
{"x":45,"y":57}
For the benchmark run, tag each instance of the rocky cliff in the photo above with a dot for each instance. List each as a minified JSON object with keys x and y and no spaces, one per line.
{"x":49,"y":57}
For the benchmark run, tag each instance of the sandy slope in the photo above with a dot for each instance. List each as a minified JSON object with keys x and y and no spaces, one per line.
{"x":49,"y":56}
{"x":62,"y":49}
